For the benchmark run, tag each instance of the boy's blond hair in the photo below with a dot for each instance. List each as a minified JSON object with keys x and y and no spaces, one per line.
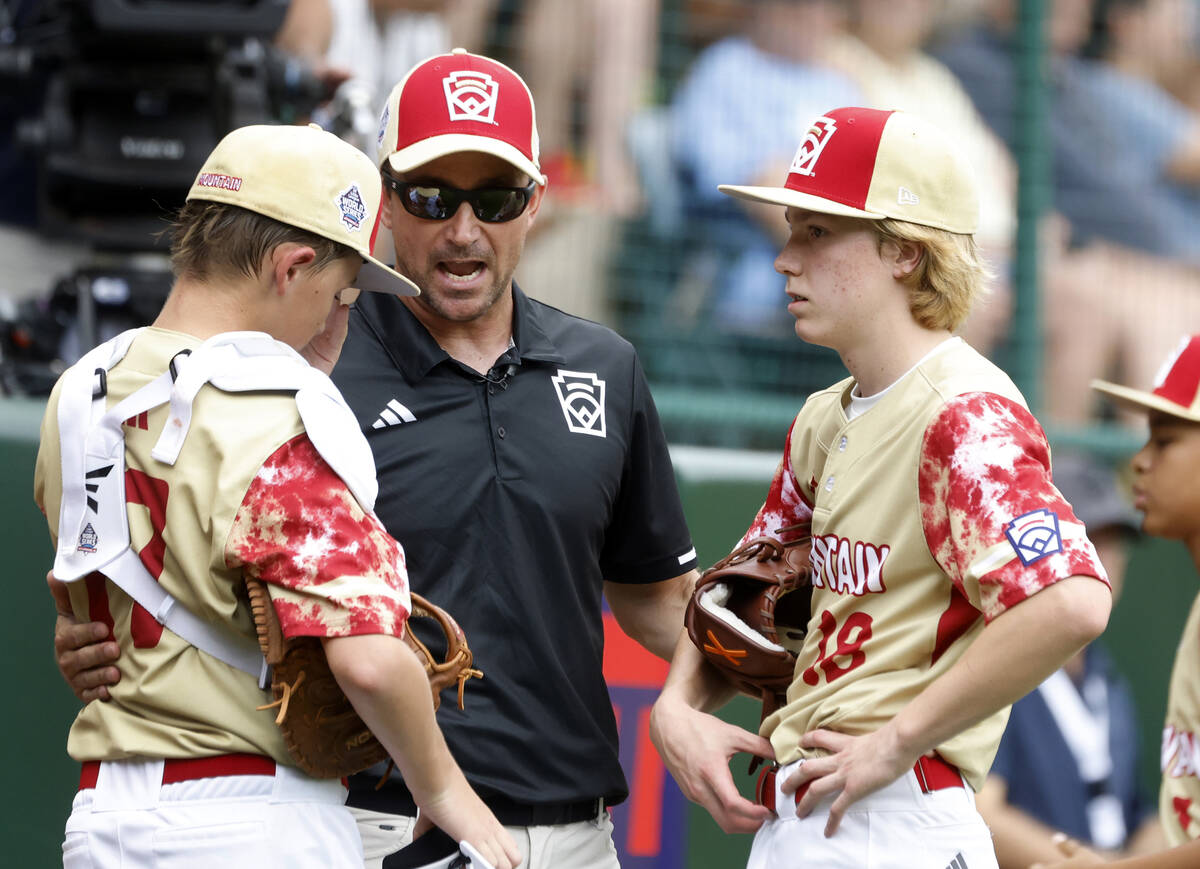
{"x":947,"y":281}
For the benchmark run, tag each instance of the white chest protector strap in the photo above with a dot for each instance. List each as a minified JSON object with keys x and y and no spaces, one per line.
{"x":93,"y":522}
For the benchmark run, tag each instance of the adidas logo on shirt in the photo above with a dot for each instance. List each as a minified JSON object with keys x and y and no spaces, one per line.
{"x":958,"y":862}
{"x":394,"y":414}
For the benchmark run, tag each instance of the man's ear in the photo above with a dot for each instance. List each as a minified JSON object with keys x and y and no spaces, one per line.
{"x":535,"y":201}
{"x":286,"y":261}
{"x":385,"y":208}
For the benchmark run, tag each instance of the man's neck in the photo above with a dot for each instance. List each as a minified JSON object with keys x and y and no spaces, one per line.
{"x":476,"y":343}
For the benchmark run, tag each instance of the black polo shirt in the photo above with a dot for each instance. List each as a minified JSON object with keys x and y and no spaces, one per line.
{"x":514,"y":497}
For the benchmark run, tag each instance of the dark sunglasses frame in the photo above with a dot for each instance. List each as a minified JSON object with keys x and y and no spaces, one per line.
{"x":453,"y":198}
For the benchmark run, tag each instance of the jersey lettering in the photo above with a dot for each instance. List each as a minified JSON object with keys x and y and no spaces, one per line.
{"x":1182,"y":747}
{"x":1182,"y":808}
{"x":151,"y":493}
{"x":848,"y":568}
{"x":850,"y":639}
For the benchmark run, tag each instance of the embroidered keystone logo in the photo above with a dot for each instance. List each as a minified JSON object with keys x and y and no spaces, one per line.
{"x":581,"y":394}
{"x":815,"y":140}
{"x":471,"y":96}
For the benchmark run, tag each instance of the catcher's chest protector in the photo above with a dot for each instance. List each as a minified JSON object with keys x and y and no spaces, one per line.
{"x":93,"y":526}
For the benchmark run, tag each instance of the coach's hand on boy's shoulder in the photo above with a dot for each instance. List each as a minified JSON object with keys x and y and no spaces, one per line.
{"x":85,"y":652}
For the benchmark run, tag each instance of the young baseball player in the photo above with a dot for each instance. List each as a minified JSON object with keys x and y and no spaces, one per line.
{"x":949,"y":575}
{"x":177,"y":458}
{"x":1165,"y":489}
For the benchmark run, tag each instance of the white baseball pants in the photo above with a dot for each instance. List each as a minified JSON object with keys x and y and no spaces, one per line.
{"x":898,"y":827}
{"x":130,"y":820}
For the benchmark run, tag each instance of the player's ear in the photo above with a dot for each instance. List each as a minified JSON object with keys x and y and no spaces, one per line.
{"x":906,"y":257}
{"x":287,"y":261}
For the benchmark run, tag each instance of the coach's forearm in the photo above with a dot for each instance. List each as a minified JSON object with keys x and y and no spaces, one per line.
{"x":652,"y":613}
{"x":1009,"y":658}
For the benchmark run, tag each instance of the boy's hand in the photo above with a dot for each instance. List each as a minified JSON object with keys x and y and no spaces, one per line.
{"x":323,"y":350}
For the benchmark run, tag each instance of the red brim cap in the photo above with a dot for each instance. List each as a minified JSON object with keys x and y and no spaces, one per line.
{"x":1176,"y":387}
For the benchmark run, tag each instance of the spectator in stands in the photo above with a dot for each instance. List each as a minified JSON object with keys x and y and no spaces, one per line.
{"x":884,"y":53}
{"x":1068,"y":761}
{"x":1118,"y":279}
{"x":606,"y":50}
{"x":1137,"y":43}
{"x":736,"y":118}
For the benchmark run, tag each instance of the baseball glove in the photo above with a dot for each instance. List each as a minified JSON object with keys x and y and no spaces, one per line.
{"x":323,"y":733}
{"x":749,"y":613}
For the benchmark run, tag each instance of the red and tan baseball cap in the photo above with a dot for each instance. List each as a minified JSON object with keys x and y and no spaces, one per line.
{"x":307,"y":178}
{"x":875,"y":164}
{"x":459,"y":102}
{"x":1176,"y":386}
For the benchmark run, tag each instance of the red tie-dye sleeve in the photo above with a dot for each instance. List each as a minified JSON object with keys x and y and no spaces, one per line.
{"x":991,"y":515}
{"x":333,"y":569}
{"x":785,"y":505}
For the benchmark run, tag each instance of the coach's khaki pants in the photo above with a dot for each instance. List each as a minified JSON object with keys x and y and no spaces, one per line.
{"x":584,"y":845}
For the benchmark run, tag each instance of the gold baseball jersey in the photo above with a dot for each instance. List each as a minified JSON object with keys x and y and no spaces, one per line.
{"x":1179,"y":794}
{"x":249,"y":492}
{"x":932,"y":512}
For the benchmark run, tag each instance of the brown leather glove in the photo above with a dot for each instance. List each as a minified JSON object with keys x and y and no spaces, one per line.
{"x":749,"y":614}
{"x":323,"y":733}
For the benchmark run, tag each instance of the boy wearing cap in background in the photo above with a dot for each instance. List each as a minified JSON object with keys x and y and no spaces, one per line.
{"x":1166,"y":473}
{"x":949,"y":576}
{"x":236,"y":457}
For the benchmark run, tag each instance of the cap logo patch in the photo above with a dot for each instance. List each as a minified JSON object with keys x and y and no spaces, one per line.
{"x":383,"y":122}
{"x":221,"y":182}
{"x":471,"y":96}
{"x":354,"y":211}
{"x":907,"y":197}
{"x":581,"y":394}
{"x":1034,"y":535}
{"x":815,"y":140}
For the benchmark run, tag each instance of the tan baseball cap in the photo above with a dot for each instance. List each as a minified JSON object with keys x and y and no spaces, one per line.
{"x":459,"y":102}
{"x":1176,"y":386}
{"x":870,"y":163}
{"x":307,"y":178}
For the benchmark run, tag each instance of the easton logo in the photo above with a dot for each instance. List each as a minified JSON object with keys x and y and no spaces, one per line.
{"x":815,"y":140}
{"x":581,"y":394}
{"x":354,"y":212}
{"x":92,"y":488}
{"x":1034,"y":535}
{"x":471,"y":96}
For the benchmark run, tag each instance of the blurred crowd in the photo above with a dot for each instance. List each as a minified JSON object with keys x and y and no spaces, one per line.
{"x":646,"y":105}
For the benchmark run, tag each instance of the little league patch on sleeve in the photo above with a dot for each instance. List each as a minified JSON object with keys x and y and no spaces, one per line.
{"x":1034,"y":535}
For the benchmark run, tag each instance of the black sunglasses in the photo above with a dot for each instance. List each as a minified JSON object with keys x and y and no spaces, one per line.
{"x":438,"y":202}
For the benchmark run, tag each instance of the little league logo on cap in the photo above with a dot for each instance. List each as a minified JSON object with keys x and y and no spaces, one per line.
{"x":459,"y":102}
{"x":1176,"y":386}
{"x":307,"y":178}
{"x":874,"y":164}
{"x":471,"y":96}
